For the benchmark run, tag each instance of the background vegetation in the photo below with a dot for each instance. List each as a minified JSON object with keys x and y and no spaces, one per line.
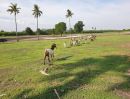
{"x":53,"y":32}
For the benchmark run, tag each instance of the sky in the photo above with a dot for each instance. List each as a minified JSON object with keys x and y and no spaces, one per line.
{"x":102,"y":14}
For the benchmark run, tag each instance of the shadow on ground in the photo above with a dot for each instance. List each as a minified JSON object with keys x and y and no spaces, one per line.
{"x":107,"y":63}
{"x":63,"y":58}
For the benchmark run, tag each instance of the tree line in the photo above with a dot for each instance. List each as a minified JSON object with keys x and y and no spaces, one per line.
{"x":59,"y":28}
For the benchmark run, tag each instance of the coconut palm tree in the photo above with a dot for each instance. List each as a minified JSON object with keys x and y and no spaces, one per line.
{"x":13,"y":9}
{"x":37,"y":13}
{"x":69,"y":15}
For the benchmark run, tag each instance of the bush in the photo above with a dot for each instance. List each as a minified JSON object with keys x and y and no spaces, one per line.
{"x":40,"y":32}
{"x":7,"y":33}
{"x":50,"y":31}
{"x":102,"y":31}
{"x":12,"y":33}
{"x":29,"y":31}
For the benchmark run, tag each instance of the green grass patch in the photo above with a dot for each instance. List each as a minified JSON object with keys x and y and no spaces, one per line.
{"x":90,"y":71}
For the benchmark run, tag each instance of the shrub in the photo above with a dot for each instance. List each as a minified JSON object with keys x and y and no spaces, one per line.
{"x":29,"y":31}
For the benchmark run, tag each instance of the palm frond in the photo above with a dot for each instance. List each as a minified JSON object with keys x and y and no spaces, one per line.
{"x":36,"y":11}
{"x":69,"y":13}
{"x":10,"y":10}
{"x":13,"y":9}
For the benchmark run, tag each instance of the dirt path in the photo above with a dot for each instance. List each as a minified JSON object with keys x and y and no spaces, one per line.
{"x":30,"y":38}
{"x":49,"y":37}
{"x":123,"y":94}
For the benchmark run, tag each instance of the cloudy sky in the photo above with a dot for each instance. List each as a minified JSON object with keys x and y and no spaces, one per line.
{"x":103,"y":14}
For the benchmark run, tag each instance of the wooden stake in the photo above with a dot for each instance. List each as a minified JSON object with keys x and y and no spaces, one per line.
{"x":56,"y":93}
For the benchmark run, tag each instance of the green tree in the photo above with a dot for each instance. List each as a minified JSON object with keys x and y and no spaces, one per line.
{"x":69,"y":15}
{"x":29,"y":31}
{"x":37,"y":13}
{"x":2,"y":31}
{"x":60,"y":28}
{"x":78,"y":27}
{"x":13,"y":9}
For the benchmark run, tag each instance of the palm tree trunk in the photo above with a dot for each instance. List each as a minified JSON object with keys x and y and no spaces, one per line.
{"x":16,"y":29}
{"x":37,"y":30}
{"x":70,"y":27}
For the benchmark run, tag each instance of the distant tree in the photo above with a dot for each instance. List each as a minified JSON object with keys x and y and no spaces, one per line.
{"x":37,"y":13}
{"x":29,"y":31}
{"x":51,"y":31}
{"x":2,"y":31}
{"x":60,"y":28}
{"x":78,"y":27}
{"x":39,"y":31}
{"x":69,"y":15}
{"x":71,"y":30}
{"x":13,"y":9}
{"x":42,"y":31}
